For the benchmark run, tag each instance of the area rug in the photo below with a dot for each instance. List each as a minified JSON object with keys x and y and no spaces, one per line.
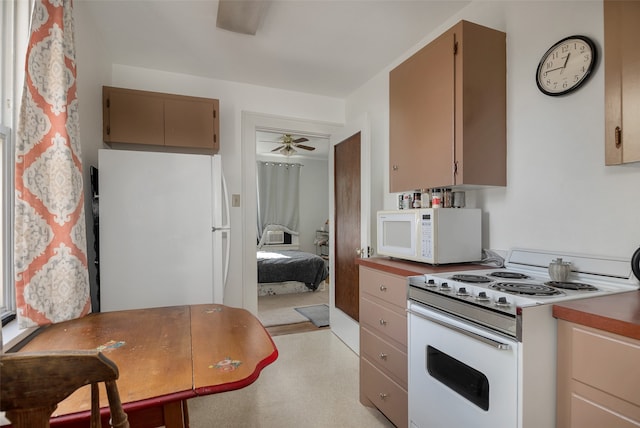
{"x":317,"y":314}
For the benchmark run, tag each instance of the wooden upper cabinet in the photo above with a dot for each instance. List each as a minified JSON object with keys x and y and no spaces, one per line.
{"x":622,"y":81}
{"x":447,"y":112}
{"x":140,"y":117}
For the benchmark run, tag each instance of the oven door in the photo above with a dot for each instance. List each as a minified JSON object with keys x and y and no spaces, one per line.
{"x":460,"y":375}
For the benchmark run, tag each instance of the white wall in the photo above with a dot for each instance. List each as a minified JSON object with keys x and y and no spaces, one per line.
{"x":95,"y":70}
{"x":559,"y":195}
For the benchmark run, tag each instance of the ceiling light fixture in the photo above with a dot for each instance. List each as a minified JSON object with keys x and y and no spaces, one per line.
{"x":241,"y":16}
{"x":288,"y":150}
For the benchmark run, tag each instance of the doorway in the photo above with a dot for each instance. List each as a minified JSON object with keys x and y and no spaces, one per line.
{"x":251,"y":123}
{"x":293,"y":193}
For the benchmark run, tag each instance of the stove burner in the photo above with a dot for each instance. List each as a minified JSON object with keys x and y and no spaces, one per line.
{"x":474,"y":279}
{"x":571,"y":285}
{"x":529,"y":289}
{"x":508,"y":275}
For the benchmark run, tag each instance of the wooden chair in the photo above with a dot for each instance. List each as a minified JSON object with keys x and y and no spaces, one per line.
{"x":33,"y":383}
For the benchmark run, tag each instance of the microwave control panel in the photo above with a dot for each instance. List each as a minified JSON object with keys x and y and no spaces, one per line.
{"x":427,"y":236}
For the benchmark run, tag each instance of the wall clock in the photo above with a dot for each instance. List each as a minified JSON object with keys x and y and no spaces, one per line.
{"x":566,"y":65}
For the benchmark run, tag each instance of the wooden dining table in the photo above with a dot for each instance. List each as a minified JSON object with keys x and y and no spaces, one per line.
{"x":165,"y":356}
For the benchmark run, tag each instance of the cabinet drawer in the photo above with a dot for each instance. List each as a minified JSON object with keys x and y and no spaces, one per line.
{"x":384,"y":356}
{"x":384,"y":393}
{"x":587,"y":414}
{"x":390,"y":288}
{"x":606,"y":363}
{"x":384,"y":321}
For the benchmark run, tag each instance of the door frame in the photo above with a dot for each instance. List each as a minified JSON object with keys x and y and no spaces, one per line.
{"x":342,"y":325}
{"x":250,"y":123}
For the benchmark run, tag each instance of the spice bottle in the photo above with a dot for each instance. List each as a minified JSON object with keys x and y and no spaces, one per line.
{"x":447,"y":198}
{"x":436,"y":198}
{"x":416,"y":199}
{"x":426,"y":198}
{"x":406,"y":201}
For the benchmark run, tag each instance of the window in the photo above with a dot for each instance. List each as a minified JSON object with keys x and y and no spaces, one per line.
{"x":14,"y":35}
{"x":7,"y":297}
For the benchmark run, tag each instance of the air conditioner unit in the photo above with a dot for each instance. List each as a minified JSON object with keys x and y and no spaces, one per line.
{"x":274,"y":237}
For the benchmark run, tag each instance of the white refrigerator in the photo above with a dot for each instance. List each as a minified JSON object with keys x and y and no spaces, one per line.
{"x":163,"y":229}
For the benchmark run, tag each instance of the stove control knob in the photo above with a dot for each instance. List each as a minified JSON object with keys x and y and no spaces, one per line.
{"x":502,"y":301}
{"x":445,"y":286}
{"x":482,"y":297}
{"x":431,"y":283}
{"x":462,"y":291}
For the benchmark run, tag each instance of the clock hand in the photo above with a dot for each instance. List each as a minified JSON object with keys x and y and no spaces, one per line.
{"x":554,"y":69}
{"x":566,"y":60}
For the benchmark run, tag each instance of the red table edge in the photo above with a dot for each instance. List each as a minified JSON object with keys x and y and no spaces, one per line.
{"x":239,"y":384}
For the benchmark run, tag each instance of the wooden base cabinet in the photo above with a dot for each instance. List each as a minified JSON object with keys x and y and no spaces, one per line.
{"x":447,"y":112}
{"x":150,"y":118}
{"x":383,"y":344}
{"x":598,"y":378}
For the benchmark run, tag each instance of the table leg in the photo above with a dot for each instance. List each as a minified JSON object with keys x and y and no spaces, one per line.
{"x":176,"y":414}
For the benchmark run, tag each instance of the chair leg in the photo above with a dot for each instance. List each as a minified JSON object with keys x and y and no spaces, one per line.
{"x":95,"y":406}
{"x":119,"y":418}
{"x":30,"y":418}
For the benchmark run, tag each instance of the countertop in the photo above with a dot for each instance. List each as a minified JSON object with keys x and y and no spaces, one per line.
{"x":615,"y":313}
{"x":408,"y":268}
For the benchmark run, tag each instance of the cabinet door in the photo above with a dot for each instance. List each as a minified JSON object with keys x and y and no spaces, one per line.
{"x":191,"y":122}
{"x":132,"y":117}
{"x":421,"y":118}
{"x":622,"y":81}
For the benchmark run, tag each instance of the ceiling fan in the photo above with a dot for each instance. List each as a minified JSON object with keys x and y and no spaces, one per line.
{"x":289,"y":145}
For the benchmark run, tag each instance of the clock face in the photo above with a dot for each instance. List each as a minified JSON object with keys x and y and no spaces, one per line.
{"x":566,"y":66}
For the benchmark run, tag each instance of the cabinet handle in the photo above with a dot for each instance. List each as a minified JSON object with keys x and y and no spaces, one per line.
{"x":383,"y":288}
{"x":383,"y":322}
{"x":395,"y":167}
{"x":618,"y":136}
{"x":383,"y":396}
{"x":383,"y":356}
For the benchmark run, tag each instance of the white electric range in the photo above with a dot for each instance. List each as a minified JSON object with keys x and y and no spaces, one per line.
{"x":482,"y":343}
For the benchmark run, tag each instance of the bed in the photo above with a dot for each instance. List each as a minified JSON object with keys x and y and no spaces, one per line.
{"x":291,"y":265}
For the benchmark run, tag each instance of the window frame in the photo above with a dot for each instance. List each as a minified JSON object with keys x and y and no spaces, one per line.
{"x":8,"y":307}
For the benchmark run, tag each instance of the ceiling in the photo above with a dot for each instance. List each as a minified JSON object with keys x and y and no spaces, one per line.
{"x":326,"y":47}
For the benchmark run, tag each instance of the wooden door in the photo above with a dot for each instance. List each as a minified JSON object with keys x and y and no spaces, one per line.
{"x":347,"y":224}
{"x":622,"y":82}
{"x":421,"y":118}
{"x":131,"y":116}
{"x":191,"y":122}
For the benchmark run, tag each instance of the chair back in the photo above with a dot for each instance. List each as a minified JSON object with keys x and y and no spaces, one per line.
{"x":33,"y":383}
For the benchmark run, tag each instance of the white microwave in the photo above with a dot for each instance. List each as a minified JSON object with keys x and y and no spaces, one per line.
{"x":431,"y":235}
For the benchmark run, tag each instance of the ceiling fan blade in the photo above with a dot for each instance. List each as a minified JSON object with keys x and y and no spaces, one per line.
{"x":277,"y":148}
{"x":300,"y":140}
{"x":302,"y":146}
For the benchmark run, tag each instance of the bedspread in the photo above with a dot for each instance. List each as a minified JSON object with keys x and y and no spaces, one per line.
{"x":289,"y":265}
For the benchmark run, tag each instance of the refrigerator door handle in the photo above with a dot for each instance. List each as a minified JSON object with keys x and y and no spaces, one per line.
{"x":227,"y":228}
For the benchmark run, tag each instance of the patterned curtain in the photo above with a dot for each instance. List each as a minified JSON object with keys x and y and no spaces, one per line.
{"x":52,"y":281}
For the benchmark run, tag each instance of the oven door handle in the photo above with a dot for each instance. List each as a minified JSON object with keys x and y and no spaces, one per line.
{"x":496,"y":344}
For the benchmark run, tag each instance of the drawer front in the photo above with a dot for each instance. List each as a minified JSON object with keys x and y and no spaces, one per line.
{"x":390,"y":288}
{"x":587,"y":414}
{"x":384,"y":393}
{"x":384,"y":321}
{"x":384,"y":356}
{"x":607,"y":363}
